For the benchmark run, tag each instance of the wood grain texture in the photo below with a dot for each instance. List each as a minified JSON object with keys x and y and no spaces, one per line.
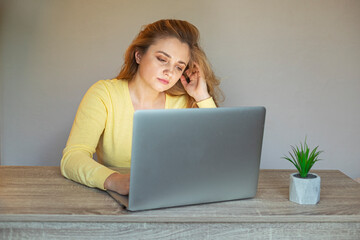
{"x":187,"y":231}
{"x":41,"y":193}
{"x":38,"y":200}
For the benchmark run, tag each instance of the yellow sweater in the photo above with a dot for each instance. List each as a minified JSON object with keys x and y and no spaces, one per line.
{"x":103,"y":123}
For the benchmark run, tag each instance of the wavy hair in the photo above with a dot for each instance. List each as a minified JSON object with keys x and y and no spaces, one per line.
{"x":185,"y":32}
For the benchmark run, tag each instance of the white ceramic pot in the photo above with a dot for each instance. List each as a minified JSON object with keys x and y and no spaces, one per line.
{"x":304,"y":190}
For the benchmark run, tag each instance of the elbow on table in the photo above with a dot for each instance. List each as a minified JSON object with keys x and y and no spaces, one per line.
{"x":63,"y":163}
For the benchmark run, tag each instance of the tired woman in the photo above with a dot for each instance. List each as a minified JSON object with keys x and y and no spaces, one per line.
{"x":164,"y":68}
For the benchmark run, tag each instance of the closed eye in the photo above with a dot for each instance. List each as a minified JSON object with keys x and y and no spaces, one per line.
{"x":161,"y":59}
{"x":180,"y":69}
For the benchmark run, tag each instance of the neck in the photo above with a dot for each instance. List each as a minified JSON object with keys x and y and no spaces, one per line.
{"x":144,"y":97}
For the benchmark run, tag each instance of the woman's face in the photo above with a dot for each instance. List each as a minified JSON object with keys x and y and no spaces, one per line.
{"x":162,"y":65}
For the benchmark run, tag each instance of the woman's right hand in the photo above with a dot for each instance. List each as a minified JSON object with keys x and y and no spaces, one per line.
{"x":197,"y":87}
{"x":118,"y":182}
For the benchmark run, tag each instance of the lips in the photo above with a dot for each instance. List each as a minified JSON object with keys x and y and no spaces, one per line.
{"x":163,"y":81}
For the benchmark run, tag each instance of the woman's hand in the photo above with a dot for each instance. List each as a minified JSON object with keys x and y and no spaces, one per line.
{"x":118,"y":182}
{"x":196,"y":88}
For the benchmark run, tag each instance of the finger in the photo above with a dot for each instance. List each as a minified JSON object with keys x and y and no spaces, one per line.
{"x":190,"y":75}
{"x":196,"y":65}
{"x":127,"y":177}
{"x":183,"y":81}
{"x":193,"y":74}
{"x":201,"y":74}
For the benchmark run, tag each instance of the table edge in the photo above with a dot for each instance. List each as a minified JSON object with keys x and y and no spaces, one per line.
{"x":157,"y":219}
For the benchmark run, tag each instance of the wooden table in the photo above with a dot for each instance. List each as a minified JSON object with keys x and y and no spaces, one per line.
{"x":38,"y":203}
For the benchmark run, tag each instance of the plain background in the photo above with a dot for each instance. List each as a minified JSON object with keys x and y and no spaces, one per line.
{"x":299,"y":59}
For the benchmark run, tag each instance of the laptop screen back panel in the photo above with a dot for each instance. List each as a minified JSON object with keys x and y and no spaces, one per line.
{"x":192,"y":156}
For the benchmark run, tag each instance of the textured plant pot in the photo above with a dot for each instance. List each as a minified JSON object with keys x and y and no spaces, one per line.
{"x":304,"y":190}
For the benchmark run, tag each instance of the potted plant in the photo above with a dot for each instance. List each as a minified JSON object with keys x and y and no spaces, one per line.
{"x":304,"y":186}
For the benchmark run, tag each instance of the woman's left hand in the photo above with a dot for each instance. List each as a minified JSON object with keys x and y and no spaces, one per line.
{"x":196,"y":88}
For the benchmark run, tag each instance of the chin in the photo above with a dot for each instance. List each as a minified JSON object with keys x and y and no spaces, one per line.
{"x":164,"y":88}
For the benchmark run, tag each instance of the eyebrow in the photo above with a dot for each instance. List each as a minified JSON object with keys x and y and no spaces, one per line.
{"x":170,"y":57}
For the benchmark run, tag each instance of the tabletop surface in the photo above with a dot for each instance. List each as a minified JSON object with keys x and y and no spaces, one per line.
{"x":29,"y":193}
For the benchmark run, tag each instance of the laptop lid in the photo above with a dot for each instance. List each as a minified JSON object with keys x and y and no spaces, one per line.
{"x":193,"y":156}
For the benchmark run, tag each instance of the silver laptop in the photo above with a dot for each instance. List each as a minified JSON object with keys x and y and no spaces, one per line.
{"x":193,"y":156}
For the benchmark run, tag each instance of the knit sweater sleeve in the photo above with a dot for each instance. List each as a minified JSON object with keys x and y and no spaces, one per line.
{"x":207,"y":103}
{"x":77,"y":162}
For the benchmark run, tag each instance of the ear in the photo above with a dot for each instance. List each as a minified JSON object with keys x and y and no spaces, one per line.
{"x":138,"y":57}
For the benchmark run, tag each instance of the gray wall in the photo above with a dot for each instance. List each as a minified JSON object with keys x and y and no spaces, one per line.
{"x":300,"y":59}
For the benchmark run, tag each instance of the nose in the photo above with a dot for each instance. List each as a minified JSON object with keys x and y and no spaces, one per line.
{"x":169,"y":71}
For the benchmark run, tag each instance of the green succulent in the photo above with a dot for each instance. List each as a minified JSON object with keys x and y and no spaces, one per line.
{"x":303,"y":159}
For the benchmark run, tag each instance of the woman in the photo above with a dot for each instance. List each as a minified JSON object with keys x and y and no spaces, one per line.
{"x":164,"y":68}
